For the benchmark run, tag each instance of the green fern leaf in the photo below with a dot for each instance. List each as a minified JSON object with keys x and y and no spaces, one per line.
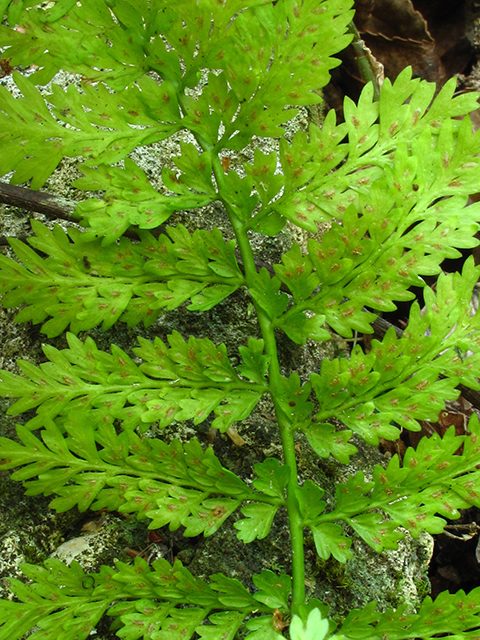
{"x":209,"y":516}
{"x":169,"y":484}
{"x":224,"y":626}
{"x":129,"y":199}
{"x":329,"y":540}
{"x":294,"y":398}
{"x":266,"y":294}
{"x":145,"y":619}
{"x":128,"y":45}
{"x":55,"y":603}
{"x":397,"y":379}
{"x":372,"y":150}
{"x":232,"y":593}
{"x":348,"y":286}
{"x":257,"y":522}
{"x":316,"y":627}
{"x":255,"y":361}
{"x":75,"y":42}
{"x":325,"y":440}
{"x":449,"y":614}
{"x":310,"y":501}
{"x":34,"y":151}
{"x":391,"y":184}
{"x":161,"y":601}
{"x":433,"y":484}
{"x":181,"y":624}
{"x":273,"y":590}
{"x":262,"y":173}
{"x":263,"y":629}
{"x":377,"y":532}
{"x":297,"y":273}
{"x":272,"y":478}
{"x":267,"y":28}
{"x":83,"y":283}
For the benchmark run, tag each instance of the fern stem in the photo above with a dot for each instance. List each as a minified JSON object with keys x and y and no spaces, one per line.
{"x":294,"y":517}
{"x":285,"y":427}
{"x":363,"y":62}
{"x":286,"y":432}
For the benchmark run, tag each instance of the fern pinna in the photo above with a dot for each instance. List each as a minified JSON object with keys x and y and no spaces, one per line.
{"x":388,"y":187}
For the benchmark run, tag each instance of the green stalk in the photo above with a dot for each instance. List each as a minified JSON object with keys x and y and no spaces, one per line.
{"x":286,"y":431}
{"x":363,"y":61}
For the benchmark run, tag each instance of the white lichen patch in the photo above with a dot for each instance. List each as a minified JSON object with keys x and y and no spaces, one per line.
{"x":81,"y":546}
{"x":11,"y":555}
{"x":395,"y":576}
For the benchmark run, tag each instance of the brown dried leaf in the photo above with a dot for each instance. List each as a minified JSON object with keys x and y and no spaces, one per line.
{"x":393,"y":19}
{"x":235,"y":437}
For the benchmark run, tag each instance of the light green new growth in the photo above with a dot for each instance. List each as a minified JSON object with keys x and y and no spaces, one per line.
{"x":391,"y":182}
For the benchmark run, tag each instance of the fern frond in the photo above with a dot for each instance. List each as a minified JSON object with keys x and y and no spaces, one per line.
{"x":101,"y":127}
{"x":394,"y":141}
{"x":82,"y":283}
{"x":398,"y":381}
{"x":148,"y":601}
{"x":184,"y":594}
{"x":175,"y":484}
{"x":413,"y":207}
{"x":61,"y":602}
{"x":354,"y":274}
{"x":454,"y":616}
{"x":434,"y":482}
{"x":80,"y":39}
{"x":118,"y":42}
{"x":264,"y":70}
{"x":130,"y":200}
{"x":391,"y":184}
{"x":188,"y":380}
